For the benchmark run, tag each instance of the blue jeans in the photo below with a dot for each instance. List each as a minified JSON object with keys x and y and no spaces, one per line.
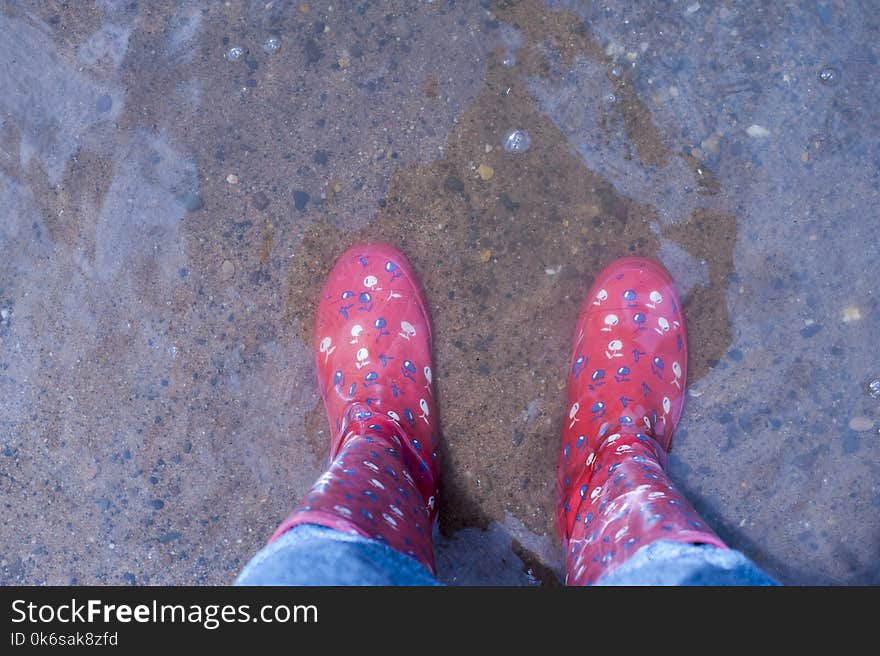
{"x":315,"y":555}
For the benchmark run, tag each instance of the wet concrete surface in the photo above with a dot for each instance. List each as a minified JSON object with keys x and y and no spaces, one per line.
{"x":176,"y":186}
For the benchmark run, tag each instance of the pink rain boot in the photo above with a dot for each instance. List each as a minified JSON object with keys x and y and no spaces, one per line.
{"x":626,"y":393}
{"x":373,"y":356}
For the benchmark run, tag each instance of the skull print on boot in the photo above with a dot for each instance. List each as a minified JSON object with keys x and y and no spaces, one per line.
{"x":373,"y":357}
{"x":625,"y":393}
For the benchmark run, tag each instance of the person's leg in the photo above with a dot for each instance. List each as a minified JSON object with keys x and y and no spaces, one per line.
{"x":373,"y":357}
{"x":617,"y":506}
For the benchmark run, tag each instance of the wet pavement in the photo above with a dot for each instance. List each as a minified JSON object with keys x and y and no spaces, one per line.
{"x":177,"y":179}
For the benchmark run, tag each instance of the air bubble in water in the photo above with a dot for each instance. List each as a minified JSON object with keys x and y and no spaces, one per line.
{"x":508,"y":61}
{"x":517,"y":141}
{"x":272,"y":45}
{"x":234,"y":53}
{"x":829,"y":75}
{"x":610,"y":98}
{"x":873,"y":388}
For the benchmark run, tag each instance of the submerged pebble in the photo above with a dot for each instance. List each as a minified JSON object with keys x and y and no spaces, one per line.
{"x":485,"y":171}
{"x":860,"y":424}
{"x":300,"y":200}
{"x":234,"y":53}
{"x":227,"y":270}
{"x":453,"y":184}
{"x":851,"y":313}
{"x":192,"y":202}
{"x":711,"y":144}
{"x":260,"y":200}
{"x":517,"y":141}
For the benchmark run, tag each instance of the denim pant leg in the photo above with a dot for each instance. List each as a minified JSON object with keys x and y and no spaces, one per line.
{"x":309,"y":554}
{"x":315,"y":555}
{"x":679,"y":563}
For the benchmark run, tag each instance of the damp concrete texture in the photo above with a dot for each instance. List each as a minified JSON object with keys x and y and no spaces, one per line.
{"x":176,"y":180}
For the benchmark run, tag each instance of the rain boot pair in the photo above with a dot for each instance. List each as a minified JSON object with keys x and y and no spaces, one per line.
{"x":626,"y":392}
